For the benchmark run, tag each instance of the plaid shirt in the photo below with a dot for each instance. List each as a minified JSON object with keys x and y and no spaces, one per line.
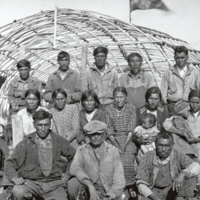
{"x":121,"y":122}
{"x":45,"y":153}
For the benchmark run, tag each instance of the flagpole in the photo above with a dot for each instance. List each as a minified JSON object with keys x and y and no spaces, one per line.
{"x":130,"y":11}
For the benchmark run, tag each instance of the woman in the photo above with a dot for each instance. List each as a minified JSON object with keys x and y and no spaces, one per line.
{"x":121,"y":121}
{"x":32,"y":101}
{"x":65,"y":117}
{"x":91,"y":111}
{"x":153,"y":105}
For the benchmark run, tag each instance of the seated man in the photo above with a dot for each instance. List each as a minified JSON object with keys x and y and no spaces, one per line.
{"x":97,"y":166}
{"x":35,"y":166}
{"x":163,"y":172}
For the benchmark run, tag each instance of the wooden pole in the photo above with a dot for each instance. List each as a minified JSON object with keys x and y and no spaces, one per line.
{"x":83,"y":65}
{"x":55,"y":26}
{"x":22,"y":51}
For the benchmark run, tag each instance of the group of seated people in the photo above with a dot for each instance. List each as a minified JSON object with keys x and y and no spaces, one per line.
{"x":120,"y":143}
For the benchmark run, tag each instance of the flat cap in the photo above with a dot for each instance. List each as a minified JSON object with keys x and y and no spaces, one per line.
{"x":95,"y":126}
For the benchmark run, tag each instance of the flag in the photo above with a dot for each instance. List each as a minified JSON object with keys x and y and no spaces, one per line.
{"x":147,"y":4}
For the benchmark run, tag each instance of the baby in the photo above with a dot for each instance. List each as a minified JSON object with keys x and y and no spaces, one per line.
{"x":147,"y":132}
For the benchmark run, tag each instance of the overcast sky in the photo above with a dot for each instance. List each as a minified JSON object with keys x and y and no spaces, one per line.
{"x":183,"y":21}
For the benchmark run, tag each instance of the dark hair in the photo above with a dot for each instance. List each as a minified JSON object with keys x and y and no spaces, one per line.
{"x":164,"y":135}
{"x":62,"y":54}
{"x":90,"y":93}
{"x":134,"y":55}
{"x":100,"y":49}
{"x":58,"y":91}
{"x":34,"y":92}
{"x":120,"y":89}
{"x":23,"y":63}
{"x":150,"y":117}
{"x":180,"y":49}
{"x":41,"y":115}
{"x":194,"y":93}
{"x":152,"y":90}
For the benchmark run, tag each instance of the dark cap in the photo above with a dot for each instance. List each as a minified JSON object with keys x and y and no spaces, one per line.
{"x":95,"y":126}
{"x":100,"y":49}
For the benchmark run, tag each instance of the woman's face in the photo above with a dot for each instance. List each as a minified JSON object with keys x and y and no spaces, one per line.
{"x":60,"y":101}
{"x":194,"y":104}
{"x":119,"y":99}
{"x":89,"y":104}
{"x":32,"y":102}
{"x":153,"y":100}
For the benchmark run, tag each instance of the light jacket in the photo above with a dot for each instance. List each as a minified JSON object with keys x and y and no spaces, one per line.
{"x":110,"y":169}
{"x":16,"y":94}
{"x":71,"y":84}
{"x":104,"y":85}
{"x":24,"y":161}
{"x":173,"y":87}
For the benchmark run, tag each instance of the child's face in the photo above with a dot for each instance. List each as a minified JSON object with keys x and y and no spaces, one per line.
{"x":194,"y":104}
{"x":146,"y":124}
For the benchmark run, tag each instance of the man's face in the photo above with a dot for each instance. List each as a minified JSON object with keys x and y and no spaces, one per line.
{"x":135,"y":64}
{"x":181,"y":59}
{"x":100,"y":60}
{"x":42,"y":127}
{"x":194,"y":104}
{"x":64,"y":63}
{"x":164,"y":148}
{"x":24,"y":73}
{"x":96,"y":139}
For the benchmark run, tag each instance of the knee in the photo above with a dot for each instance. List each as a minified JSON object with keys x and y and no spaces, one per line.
{"x":20,"y":192}
{"x":73,"y":186}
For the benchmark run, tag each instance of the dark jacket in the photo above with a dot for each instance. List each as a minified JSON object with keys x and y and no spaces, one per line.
{"x":99,"y":115}
{"x":24,"y":162}
{"x":162,"y":114}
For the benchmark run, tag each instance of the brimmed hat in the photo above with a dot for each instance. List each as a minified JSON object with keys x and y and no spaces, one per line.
{"x":181,"y":107}
{"x":95,"y":126}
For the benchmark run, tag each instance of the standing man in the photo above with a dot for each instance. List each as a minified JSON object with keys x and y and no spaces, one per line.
{"x":165,"y":173}
{"x":35,"y":166}
{"x":101,"y":77}
{"x":19,"y":85}
{"x":97,"y":167}
{"x":178,"y":80}
{"x":136,"y":81}
{"x":65,"y":78}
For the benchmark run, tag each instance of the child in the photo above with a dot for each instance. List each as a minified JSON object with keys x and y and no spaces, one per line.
{"x":147,"y":132}
{"x":179,"y":125}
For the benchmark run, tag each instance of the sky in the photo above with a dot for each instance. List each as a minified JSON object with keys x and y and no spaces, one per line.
{"x":183,"y":20}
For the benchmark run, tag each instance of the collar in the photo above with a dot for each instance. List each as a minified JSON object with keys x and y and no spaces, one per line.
{"x":103,"y":146}
{"x":38,"y":139}
{"x":195,"y":114}
{"x":157,"y":161}
{"x":183,"y":69}
{"x":26,"y":81}
{"x":108,"y":67}
{"x":69,"y":71}
{"x":175,"y":70}
{"x":139,"y":75}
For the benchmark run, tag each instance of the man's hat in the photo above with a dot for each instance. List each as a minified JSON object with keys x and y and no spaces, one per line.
{"x":100,"y":49}
{"x":95,"y":126}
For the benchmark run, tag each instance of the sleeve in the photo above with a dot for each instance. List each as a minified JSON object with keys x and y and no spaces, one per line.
{"x":133,"y":120}
{"x":10,"y":92}
{"x":76,"y":168}
{"x":144,"y":190}
{"x":75,"y":121}
{"x":38,"y":86}
{"x":76,"y":95}
{"x":15,"y":160}
{"x":48,"y":91}
{"x":86,"y":86}
{"x":118,"y":175}
{"x":110,"y":128}
{"x":122,"y":82}
{"x":151,"y":81}
{"x":165,"y":115}
{"x":67,"y":150}
{"x":164,"y":86}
